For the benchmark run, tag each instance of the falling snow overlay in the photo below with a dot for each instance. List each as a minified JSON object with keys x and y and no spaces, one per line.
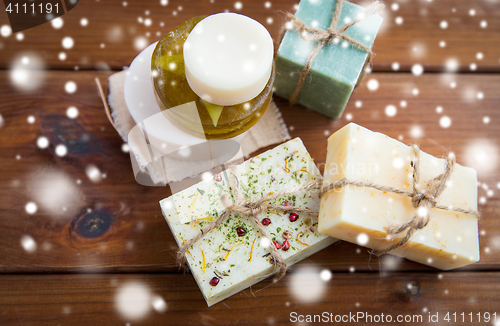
{"x":83,"y":241}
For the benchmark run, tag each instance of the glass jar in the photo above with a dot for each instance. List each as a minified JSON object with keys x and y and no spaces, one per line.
{"x":172,"y":88}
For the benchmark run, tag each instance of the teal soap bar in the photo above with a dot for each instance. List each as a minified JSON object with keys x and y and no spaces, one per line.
{"x":337,"y":67}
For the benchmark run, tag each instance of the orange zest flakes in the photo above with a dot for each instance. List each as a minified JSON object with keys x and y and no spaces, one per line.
{"x":203,"y":261}
{"x":209,"y":217}
{"x":286,"y":169}
{"x":231,"y":249}
{"x":273,"y":212}
{"x":303,"y":170}
{"x":298,"y":240}
{"x":191,"y":211}
{"x":190,"y":254}
{"x":251,"y":249}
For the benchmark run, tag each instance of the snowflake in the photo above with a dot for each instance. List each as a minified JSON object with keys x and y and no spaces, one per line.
{"x":445,"y":122}
{"x":70,"y":87}
{"x":67,"y":42}
{"x":391,"y":110}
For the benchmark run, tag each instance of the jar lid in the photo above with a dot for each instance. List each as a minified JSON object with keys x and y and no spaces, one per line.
{"x":228,"y":58}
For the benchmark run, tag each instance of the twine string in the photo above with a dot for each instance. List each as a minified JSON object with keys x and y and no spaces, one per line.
{"x":105,"y":102}
{"x":251,"y":209}
{"x":422,"y":200}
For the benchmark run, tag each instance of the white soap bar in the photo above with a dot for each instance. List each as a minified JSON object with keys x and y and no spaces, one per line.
{"x":242,"y":261}
{"x":228,"y":58}
{"x":363,"y":215}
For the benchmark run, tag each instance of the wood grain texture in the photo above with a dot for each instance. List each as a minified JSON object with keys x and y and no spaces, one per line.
{"x":154,"y":299}
{"x":115,"y":33}
{"x":92,"y":217}
{"x":115,"y":224}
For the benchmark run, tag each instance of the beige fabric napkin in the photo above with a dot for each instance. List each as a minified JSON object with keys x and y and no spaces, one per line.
{"x":271,"y":129}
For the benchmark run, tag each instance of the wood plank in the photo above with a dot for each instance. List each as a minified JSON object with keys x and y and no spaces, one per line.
{"x":151,"y":299}
{"x":125,"y":231}
{"x":108,"y":41}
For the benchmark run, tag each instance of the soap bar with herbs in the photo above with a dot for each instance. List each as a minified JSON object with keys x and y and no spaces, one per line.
{"x":336,"y":69}
{"x":234,"y":256}
{"x":363,"y":214}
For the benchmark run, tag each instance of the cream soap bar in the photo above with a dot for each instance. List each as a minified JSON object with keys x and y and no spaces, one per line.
{"x":235,"y":256}
{"x":363,"y":215}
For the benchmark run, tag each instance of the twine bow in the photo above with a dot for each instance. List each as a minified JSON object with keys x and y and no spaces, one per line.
{"x":423,"y":200}
{"x":252,"y":209}
{"x":329,"y":36}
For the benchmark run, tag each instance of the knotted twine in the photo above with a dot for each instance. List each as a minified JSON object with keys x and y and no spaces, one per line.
{"x":331,"y":35}
{"x":423,"y":200}
{"x":245,"y":207}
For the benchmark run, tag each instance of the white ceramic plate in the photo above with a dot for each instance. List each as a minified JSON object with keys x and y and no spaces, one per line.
{"x":141,"y":102}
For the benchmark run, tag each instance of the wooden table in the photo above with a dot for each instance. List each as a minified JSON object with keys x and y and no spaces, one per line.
{"x":100,"y":253}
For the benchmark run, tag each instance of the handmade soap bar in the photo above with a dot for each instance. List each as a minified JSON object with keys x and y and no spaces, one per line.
{"x":336,"y":69}
{"x":234,"y":256}
{"x":228,"y":58}
{"x":363,"y":214}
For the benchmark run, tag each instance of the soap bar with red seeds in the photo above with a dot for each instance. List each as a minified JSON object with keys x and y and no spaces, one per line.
{"x":235,"y":256}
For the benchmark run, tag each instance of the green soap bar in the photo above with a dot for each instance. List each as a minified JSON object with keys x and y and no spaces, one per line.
{"x":337,"y":67}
